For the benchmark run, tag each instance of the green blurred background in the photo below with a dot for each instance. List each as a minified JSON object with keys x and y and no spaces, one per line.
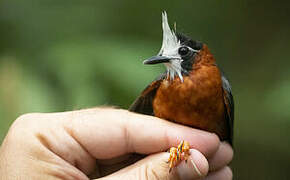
{"x":64,"y":55}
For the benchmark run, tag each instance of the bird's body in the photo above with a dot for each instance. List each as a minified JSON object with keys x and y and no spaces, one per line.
{"x":197,"y":101}
{"x":193,"y":91}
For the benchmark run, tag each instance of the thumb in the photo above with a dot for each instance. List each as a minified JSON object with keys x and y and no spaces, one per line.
{"x":156,"y":167}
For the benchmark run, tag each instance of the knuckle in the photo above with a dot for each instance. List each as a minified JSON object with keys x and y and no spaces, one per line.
{"x":24,"y":118}
{"x":22,"y":123}
{"x":18,"y":131}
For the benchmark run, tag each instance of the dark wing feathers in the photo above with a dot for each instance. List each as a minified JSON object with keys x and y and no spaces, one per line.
{"x":143,"y":104}
{"x":229,"y":106}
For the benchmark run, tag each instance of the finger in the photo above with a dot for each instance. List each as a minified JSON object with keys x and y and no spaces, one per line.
{"x":156,"y":167}
{"x":109,"y":166}
{"x":222,"y":157}
{"x":222,"y":174}
{"x":108,"y":133}
{"x":196,"y":166}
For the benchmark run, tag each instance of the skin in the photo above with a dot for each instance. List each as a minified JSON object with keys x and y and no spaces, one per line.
{"x":90,"y":143}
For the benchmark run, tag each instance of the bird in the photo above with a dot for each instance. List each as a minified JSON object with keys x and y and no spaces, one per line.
{"x":193,"y":91}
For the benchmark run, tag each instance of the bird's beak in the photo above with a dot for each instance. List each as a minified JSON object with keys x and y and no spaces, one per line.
{"x":157,"y":60}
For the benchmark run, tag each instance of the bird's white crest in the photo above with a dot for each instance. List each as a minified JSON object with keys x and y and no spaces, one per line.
{"x":170,"y":42}
{"x":169,"y":48}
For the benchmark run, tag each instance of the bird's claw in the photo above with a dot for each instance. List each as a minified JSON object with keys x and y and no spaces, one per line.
{"x":178,"y":154}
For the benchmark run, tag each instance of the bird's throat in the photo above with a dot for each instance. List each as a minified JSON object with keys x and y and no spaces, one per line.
{"x":174,"y":69}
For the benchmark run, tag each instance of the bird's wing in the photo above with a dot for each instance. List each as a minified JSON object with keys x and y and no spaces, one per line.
{"x":143,"y":104}
{"x":229,"y":106}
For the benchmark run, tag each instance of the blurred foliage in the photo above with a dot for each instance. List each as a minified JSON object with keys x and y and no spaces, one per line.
{"x":64,"y":55}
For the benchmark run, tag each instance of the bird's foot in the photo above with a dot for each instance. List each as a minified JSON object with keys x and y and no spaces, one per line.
{"x":178,"y":154}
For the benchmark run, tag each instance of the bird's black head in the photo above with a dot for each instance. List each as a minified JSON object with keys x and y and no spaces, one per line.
{"x":188,"y":50}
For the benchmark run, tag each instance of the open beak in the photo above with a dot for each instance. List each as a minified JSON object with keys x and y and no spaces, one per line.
{"x":157,"y":60}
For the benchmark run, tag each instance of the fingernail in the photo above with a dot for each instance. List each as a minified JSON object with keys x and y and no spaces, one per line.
{"x":196,"y":166}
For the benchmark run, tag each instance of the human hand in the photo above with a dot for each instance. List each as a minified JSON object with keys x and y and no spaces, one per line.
{"x":77,"y":144}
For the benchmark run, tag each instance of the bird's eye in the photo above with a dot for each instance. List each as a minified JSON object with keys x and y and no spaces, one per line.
{"x":183,"y":51}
